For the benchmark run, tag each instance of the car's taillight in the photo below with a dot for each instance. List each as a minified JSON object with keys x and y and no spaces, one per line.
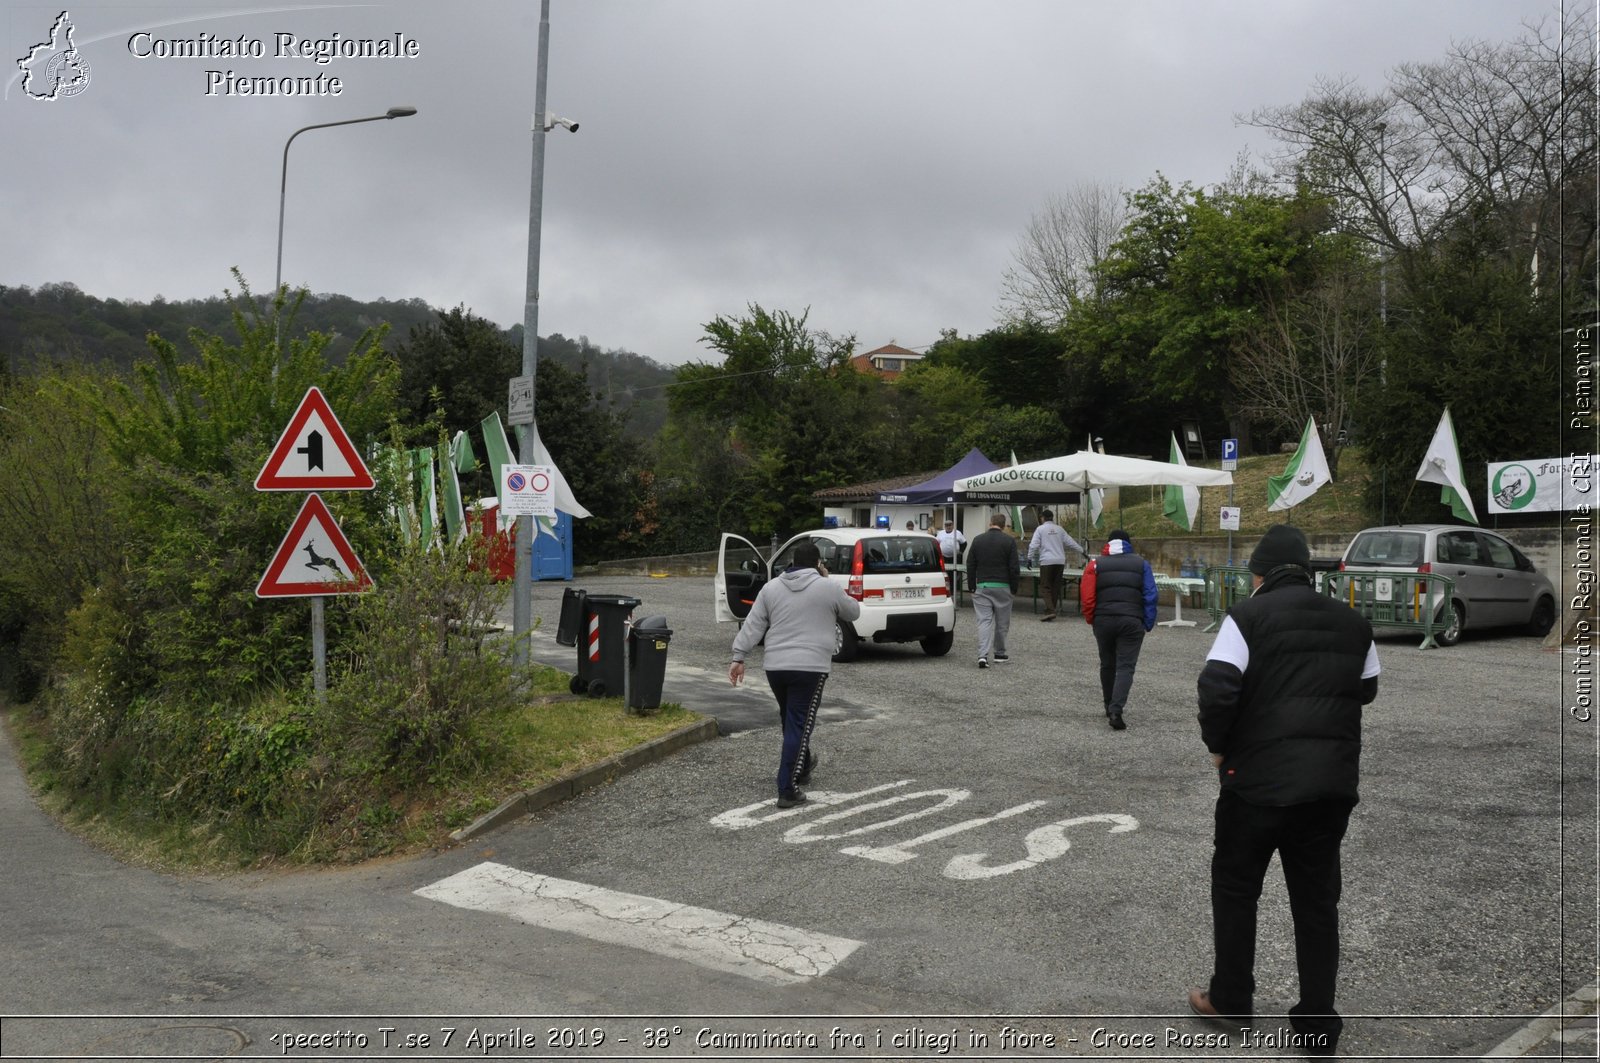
{"x":1341,"y":564}
{"x":857,"y":562}
{"x":1425,"y":568}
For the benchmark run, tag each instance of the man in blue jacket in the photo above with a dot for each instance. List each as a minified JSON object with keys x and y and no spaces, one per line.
{"x":1119,"y":602}
{"x":1280,"y":711}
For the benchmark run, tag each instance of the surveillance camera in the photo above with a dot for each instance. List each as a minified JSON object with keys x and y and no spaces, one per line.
{"x":551,"y":120}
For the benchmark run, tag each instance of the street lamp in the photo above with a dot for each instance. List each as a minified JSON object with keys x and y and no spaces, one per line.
{"x":318,"y":651}
{"x":283,"y":188}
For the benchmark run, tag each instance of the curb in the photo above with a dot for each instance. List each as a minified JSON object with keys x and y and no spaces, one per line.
{"x":569,"y":786}
{"x":1575,"y":1015}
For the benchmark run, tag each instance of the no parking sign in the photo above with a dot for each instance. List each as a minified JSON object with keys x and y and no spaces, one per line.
{"x":527,"y":491}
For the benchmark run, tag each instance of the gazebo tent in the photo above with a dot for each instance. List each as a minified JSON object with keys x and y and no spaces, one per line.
{"x":1058,"y":479}
{"x":939,"y":490}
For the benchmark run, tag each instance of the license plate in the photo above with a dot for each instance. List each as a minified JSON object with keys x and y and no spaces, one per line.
{"x":897,"y":593}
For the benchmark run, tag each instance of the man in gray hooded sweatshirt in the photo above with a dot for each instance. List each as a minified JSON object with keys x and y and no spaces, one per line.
{"x":794,"y":617}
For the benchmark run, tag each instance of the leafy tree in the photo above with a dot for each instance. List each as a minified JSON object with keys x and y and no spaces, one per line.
{"x":460,"y":363}
{"x":747,"y":442}
{"x":1472,"y":337}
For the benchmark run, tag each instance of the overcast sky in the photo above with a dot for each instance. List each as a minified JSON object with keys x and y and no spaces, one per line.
{"x":875,"y":161}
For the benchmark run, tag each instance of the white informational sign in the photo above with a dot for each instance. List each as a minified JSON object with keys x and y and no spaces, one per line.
{"x":519,"y":401}
{"x":527,"y":491}
{"x":1543,"y":485}
{"x":1230,"y":455}
{"x":1228,"y":520}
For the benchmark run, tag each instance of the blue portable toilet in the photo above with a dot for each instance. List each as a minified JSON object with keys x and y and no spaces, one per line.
{"x":552,"y":555}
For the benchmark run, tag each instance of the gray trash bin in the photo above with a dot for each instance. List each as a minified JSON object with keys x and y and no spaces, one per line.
{"x":647,"y":663}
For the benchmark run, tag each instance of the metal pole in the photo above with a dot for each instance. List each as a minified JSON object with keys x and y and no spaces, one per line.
{"x":1383,"y":259}
{"x":319,"y":650}
{"x":283,"y":192}
{"x":522,"y":590}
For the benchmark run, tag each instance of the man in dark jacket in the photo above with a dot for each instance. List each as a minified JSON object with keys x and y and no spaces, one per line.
{"x":1118,"y":593}
{"x":1280,"y":711}
{"x":994,"y":567}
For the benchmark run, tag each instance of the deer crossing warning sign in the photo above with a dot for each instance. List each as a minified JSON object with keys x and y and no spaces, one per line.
{"x":315,"y":558}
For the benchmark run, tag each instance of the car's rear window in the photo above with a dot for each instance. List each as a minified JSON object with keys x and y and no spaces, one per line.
{"x":900,"y":553}
{"x":1396,"y":549}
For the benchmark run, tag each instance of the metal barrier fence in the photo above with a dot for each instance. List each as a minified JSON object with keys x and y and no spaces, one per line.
{"x":1386,"y":599}
{"x":1225,"y":585}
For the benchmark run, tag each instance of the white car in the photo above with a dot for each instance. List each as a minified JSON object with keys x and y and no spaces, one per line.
{"x":898,"y":577}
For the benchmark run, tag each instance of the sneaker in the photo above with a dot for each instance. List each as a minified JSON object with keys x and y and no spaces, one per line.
{"x":1046,"y":618}
{"x":983,"y":662}
{"x":1116,"y":722}
{"x":794,"y":797}
{"x":1001,"y":658}
{"x":812,"y":760}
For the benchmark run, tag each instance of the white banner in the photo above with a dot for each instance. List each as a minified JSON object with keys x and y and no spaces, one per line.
{"x":1543,"y":485}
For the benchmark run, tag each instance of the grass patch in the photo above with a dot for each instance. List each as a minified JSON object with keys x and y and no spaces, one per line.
{"x":1337,"y":507}
{"x":552,"y":733}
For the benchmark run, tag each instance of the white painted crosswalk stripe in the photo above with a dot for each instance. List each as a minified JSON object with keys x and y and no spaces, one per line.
{"x":754,"y":948}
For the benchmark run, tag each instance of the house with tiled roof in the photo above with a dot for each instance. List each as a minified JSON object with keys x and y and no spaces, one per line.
{"x":888,"y":361}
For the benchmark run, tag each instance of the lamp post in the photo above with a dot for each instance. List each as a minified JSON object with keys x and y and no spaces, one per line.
{"x":283,"y":189}
{"x":318,"y":638}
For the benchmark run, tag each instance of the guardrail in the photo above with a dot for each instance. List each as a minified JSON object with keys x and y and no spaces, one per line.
{"x":1386,"y":599}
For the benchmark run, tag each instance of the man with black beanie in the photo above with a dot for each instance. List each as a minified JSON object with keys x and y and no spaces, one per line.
{"x":1280,"y":710}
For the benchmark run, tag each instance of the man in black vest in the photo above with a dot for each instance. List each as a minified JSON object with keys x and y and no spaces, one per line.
{"x":1280,"y":710}
{"x":1118,"y":595}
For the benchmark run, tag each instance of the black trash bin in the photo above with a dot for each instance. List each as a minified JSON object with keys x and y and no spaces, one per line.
{"x":602,"y":646}
{"x":647,"y":663}
{"x":1322,"y":569}
{"x":572,"y":612}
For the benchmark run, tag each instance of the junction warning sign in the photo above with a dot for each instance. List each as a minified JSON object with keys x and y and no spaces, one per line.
{"x":314,"y":453}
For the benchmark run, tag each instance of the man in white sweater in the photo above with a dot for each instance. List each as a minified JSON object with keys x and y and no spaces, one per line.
{"x":794,"y":618}
{"x":1048,"y":549}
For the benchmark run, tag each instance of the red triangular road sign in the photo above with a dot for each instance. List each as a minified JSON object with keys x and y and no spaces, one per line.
{"x":314,"y":558}
{"x":314,"y":453}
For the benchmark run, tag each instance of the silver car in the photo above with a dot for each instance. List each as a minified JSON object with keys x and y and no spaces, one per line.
{"x":1495,"y":583}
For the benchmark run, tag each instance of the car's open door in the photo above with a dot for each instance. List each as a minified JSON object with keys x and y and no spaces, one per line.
{"x":741,"y":573}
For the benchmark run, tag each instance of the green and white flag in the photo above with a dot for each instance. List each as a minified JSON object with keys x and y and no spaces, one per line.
{"x":1016,"y":512}
{"x":1182,"y":501}
{"x":451,"y":456}
{"x":498,"y":449}
{"x":1097,"y":500}
{"x":428,"y":495}
{"x":1307,"y":471}
{"x":1442,"y":465}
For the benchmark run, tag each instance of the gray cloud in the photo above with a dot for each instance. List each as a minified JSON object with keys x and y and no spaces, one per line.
{"x":873,"y":160}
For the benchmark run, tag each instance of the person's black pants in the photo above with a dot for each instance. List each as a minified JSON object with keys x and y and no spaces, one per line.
{"x":1306,"y":838}
{"x":1119,"y":639}
{"x":1050,"y":586}
{"x":799,"y":694}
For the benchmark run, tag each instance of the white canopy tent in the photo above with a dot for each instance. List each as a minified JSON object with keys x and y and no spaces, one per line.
{"x":1039,"y":481}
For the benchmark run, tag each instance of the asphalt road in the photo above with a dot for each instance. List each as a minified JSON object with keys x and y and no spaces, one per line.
{"x":980,"y":844}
